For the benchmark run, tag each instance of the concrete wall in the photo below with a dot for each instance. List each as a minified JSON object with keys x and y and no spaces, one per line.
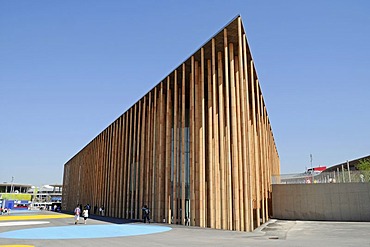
{"x":339,"y":202}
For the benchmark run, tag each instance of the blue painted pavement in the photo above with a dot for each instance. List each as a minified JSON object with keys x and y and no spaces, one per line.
{"x":84,"y":231}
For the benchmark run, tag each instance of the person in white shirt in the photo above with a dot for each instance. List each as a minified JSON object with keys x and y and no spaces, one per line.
{"x":77,"y":214}
{"x":85,"y":214}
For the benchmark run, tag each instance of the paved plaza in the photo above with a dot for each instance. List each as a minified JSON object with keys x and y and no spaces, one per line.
{"x":43,"y":228}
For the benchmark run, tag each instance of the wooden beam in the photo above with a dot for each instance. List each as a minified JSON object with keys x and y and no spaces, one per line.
{"x":223,"y":197}
{"x":249,"y":145}
{"x":217,"y":187}
{"x":167,"y":177}
{"x":192,"y":144}
{"x":210,"y":166}
{"x":228,"y":136}
{"x":239,"y":146}
{"x":175,"y":151}
{"x":234,"y":142}
{"x":202,"y":139}
{"x":142,"y":164}
{"x":183,"y":137}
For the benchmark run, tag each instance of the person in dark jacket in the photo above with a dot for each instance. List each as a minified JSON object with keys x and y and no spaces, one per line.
{"x":146,"y":213}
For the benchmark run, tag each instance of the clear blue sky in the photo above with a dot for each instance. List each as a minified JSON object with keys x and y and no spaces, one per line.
{"x":68,"y":69}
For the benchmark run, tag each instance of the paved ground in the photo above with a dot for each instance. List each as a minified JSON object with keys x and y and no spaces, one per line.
{"x":54,"y":229}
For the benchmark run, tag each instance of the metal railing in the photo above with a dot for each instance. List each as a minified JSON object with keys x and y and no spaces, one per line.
{"x":324,"y":177}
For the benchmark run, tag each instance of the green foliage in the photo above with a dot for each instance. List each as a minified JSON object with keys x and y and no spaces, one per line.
{"x":20,"y":196}
{"x":363,"y":164}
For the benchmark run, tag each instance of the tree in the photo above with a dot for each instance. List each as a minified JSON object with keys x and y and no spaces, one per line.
{"x":364,"y":167}
{"x":363,"y":164}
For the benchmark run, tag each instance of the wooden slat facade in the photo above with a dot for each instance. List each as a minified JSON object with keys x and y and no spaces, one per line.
{"x":198,"y":148}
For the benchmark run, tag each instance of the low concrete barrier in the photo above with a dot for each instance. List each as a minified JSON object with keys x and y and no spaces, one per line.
{"x":336,"y":202}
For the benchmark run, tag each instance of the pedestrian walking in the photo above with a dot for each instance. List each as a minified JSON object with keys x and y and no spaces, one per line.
{"x":77,"y":214}
{"x":85,"y":214}
{"x":146,"y":213}
{"x":101,"y":210}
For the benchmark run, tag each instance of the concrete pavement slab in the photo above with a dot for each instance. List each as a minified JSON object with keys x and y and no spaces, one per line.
{"x":273,"y":233}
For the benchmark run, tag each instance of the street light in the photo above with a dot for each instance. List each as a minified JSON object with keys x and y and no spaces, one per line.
{"x":311,"y":169}
{"x":11,"y":186}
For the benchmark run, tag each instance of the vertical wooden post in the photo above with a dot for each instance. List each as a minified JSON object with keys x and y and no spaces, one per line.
{"x":121,"y":166}
{"x":183,"y":180}
{"x":223,"y":197}
{"x":154,"y":157}
{"x":108,"y":178}
{"x":202,"y":140}
{"x":125,"y":188}
{"x":167,"y":185}
{"x":142,"y":165}
{"x":192,"y":144}
{"x":260,"y":151}
{"x":244,"y":130}
{"x":255,"y":141}
{"x":129,"y":167}
{"x":133,"y":164}
{"x":101,"y":152}
{"x":234,"y":142}
{"x":175,"y":150}
{"x":239,"y":150}
{"x":100,"y":171}
{"x":217,"y":188}
{"x":210,"y":167}
{"x":110,"y":208}
{"x":248,"y":130}
{"x":228,"y":138}
{"x":149,"y":148}
{"x":265,"y":156}
{"x":106,"y":169}
{"x":160,"y":140}
{"x":137,"y":162}
{"x":114,"y":169}
{"x":197,"y":143}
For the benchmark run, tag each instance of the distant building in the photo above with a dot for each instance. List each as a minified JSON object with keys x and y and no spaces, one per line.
{"x":340,"y":173}
{"x":306,"y":177}
{"x":48,"y":193}
{"x":25,"y":196}
{"x":14,"y":196}
{"x":347,"y":172}
{"x":352,"y":164}
{"x":14,"y":188}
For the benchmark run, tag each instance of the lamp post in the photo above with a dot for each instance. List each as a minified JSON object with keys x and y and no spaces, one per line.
{"x":311,"y":169}
{"x":349,"y":172}
{"x":11,"y":186}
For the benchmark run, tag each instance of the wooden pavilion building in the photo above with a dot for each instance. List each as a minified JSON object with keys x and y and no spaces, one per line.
{"x":198,"y":148}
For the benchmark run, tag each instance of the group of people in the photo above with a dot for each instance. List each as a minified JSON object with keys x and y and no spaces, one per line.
{"x":4,"y":211}
{"x":85,"y":213}
{"x":78,"y":211}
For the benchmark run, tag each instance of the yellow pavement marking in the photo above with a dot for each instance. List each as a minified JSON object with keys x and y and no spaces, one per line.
{"x":35,"y":217}
{"x":17,"y":245}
